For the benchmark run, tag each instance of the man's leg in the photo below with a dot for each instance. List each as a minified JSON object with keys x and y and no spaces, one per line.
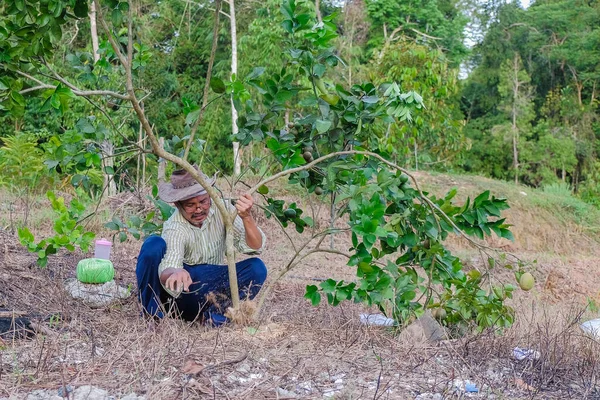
{"x":251,"y":274}
{"x":146,"y":271}
{"x":210,"y":294}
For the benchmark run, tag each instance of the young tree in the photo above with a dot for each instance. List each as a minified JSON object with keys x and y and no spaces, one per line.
{"x":397,"y":230}
{"x":516,"y":94}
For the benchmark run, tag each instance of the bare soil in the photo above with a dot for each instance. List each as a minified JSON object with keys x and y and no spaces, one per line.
{"x":296,"y":349}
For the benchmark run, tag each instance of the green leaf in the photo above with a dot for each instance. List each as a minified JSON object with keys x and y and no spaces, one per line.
{"x":256,"y":72}
{"x":17,"y":98}
{"x":481,"y":198}
{"x":262,"y":189}
{"x":283,"y":95}
{"x":117,"y":17}
{"x":217,"y":85}
{"x":323,"y":125}
{"x":312,"y":294}
{"x":81,"y":8}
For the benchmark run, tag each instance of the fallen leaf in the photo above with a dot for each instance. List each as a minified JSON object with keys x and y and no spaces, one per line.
{"x":521,"y":384}
{"x":194,"y":384}
{"x":191,"y":367}
{"x":251,"y":330}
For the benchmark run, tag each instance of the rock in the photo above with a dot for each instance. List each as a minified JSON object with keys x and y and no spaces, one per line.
{"x":64,"y":391}
{"x":424,"y":329}
{"x":429,"y":396}
{"x":133,"y":396}
{"x":286,"y":394}
{"x":43,"y":395}
{"x":90,"y":393}
{"x":96,"y":295}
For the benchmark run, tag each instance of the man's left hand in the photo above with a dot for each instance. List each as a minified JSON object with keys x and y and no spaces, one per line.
{"x":243,"y":205}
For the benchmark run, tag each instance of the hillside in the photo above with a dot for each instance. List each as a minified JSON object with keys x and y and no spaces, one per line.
{"x":311,"y":352}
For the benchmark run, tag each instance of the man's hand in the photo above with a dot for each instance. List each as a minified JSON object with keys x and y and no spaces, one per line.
{"x":178,"y":280}
{"x":243,"y":205}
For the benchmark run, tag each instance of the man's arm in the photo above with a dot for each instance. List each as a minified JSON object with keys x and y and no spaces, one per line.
{"x":253,"y":236}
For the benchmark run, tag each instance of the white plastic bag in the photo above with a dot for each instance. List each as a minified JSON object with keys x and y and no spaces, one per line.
{"x":592,"y":328}
{"x":376,"y":319}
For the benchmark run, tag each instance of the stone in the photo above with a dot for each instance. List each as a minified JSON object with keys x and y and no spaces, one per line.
{"x":430,"y":396}
{"x":96,"y":295}
{"x":87,"y":392}
{"x":424,"y":329}
{"x":64,"y":391}
{"x":286,"y":394}
{"x":43,"y":395}
{"x":133,"y":396}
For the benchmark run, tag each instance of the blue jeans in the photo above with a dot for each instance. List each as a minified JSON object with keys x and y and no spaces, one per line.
{"x":209,"y":295}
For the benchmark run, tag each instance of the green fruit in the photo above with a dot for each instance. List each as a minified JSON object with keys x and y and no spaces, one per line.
{"x":527,"y":281}
{"x":307,"y":155}
{"x":403,"y":178}
{"x":439,"y":314}
{"x":318,"y":191}
{"x":320,"y":85}
{"x":309,"y":149}
{"x":330,"y":99}
{"x":290,"y":213}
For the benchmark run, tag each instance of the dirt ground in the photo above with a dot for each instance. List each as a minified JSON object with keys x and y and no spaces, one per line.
{"x":296,"y":350}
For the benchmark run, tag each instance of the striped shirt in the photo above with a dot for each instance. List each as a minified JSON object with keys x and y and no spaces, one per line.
{"x":205,"y":245}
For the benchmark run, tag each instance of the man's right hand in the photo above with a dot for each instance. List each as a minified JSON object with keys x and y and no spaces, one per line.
{"x":176,"y":279}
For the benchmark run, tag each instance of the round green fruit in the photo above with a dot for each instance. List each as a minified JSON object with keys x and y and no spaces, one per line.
{"x":439,"y":314}
{"x":403,"y":178}
{"x":318,"y":191}
{"x":527,"y":281}
{"x":290,"y":213}
{"x":309,"y":149}
{"x":307,"y":155}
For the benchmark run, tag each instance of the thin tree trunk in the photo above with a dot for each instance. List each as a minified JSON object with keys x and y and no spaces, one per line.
{"x":515,"y":129}
{"x":144,"y":162}
{"x":106,"y":146}
{"x":237,"y":161}
{"x":161,"y":162}
{"x":211,"y":61}
{"x":332,"y":220}
{"x":139,"y":160}
{"x":416,"y":156}
{"x":318,"y":10}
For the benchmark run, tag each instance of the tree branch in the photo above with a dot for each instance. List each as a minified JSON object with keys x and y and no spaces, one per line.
{"x":73,"y":88}
{"x":34,"y":88}
{"x":424,"y":198}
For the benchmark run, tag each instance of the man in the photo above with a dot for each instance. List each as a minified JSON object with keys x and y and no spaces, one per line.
{"x":182,"y":271}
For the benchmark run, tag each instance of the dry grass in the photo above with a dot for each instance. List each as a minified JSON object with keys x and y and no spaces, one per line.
{"x":310,"y":351}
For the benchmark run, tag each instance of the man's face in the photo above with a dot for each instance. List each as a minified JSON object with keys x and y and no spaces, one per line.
{"x":195,"y":210}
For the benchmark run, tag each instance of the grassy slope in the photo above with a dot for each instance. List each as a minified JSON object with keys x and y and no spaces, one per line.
{"x":543,"y":222}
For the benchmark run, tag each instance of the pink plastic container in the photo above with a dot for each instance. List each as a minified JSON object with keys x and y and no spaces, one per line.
{"x":102,"y":249}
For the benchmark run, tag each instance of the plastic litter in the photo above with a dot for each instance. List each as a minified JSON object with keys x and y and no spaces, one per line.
{"x":376,"y":319}
{"x":525,"y":354}
{"x":102,"y":249}
{"x":465,"y":386}
{"x":591,"y":328}
{"x":471,"y":387}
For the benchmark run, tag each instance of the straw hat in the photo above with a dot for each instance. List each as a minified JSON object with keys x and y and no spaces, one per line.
{"x":183,"y":186}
